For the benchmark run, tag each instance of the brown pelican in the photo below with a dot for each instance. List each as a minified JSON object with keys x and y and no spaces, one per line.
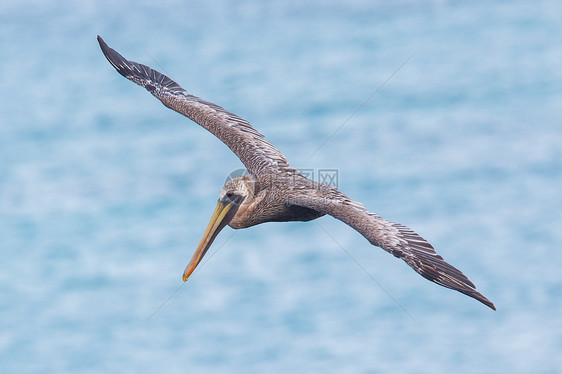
{"x":275,"y":192}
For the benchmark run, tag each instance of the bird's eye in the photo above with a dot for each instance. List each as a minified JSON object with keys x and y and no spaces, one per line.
{"x":230,"y":194}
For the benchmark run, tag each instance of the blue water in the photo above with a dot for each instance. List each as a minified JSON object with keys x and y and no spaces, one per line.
{"x":104,"y":193}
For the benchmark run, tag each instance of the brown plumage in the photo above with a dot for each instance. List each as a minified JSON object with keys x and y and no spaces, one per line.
{"x":275,"y":192}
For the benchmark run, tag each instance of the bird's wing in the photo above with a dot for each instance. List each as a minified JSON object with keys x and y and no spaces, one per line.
{"x":257,"y":154}
{"x":394,"y":238}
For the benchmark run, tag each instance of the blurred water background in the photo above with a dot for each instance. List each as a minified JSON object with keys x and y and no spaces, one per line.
{"x":104,"y":193}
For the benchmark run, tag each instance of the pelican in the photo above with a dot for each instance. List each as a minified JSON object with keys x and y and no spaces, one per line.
{"x":273,"y":191}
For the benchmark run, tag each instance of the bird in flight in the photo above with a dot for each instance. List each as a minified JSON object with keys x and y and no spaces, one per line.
{"x":273,"y":191}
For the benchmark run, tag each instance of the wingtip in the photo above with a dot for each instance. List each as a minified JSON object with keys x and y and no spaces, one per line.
{"x":120,"y":63}
{"x":478,"y":296}
{"x":489,"y":304}
{"x":460,"y":284}
{"x":103,"y":45}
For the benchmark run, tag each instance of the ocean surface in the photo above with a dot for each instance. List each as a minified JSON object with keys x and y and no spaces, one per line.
{"x":444,"y":116}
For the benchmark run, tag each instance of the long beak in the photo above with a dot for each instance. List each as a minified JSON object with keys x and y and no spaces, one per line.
{"x":217,"y":223}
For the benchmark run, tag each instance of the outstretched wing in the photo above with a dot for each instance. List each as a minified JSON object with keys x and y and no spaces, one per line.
{"x":395,"y":238}
{"x":257,"y":154}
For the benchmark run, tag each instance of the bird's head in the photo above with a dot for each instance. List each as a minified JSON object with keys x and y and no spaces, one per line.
{"x":237,"y":190}
{"x":234,"y":198}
